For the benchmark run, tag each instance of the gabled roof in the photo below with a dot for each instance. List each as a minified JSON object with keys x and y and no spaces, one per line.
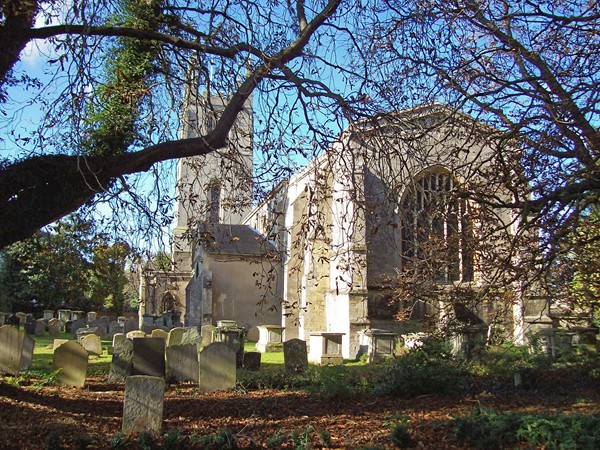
{"x":234,"y":240}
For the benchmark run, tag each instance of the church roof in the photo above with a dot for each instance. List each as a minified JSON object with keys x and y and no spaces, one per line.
{"x":234,"y":240}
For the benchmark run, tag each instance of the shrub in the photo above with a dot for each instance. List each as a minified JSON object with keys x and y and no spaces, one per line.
{"x":173,"y":440}
{"x":401,"y":437}
{"x":430,"y":369}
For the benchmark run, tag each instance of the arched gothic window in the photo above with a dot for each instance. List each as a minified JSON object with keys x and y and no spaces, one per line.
{"x":437,"y":231}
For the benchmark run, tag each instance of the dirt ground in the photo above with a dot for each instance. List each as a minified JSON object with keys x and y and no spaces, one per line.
{"x":29,"y":414}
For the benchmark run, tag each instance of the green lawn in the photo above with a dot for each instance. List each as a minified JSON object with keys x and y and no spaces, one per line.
{"x":42,"y":356}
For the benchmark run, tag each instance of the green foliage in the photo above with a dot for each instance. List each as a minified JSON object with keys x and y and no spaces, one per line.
{"x":173,"y":440}
{"x":147,"y":441}
{"x":300,"y":439}
{"x":490,"y":429}
{"x":338,"y":383}
{"x":505,"y":360}
{"x":108,"y":277}
{"x":120,"y":441}
{"x":47,"y":379}
{"x":53,"y":441}
{"x":401,"y":437}
{"x":224,"y":439}
{"x":430,"y":369}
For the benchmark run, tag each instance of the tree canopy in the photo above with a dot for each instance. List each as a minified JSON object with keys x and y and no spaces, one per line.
{"x":120,"y":71}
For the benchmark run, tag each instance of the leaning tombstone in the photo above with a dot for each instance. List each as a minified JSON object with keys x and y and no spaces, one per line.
{"x":121,"y":366}
{"x":207,"y":334}
{"x":92,"y":344}
{"x":182,"y":362}
{"x":143,"y":405}
{"x":28,"y":344}
{"x":40,"y":327}
{"x":72,"y":359}
{"x":295,"y":356}
{"x":175,"y":336}
{"x":149,"y":357}
{"x":217,"y":366}
{"x":58,"y":342}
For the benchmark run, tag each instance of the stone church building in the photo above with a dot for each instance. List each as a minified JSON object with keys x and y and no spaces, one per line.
{"x":338,"y":245}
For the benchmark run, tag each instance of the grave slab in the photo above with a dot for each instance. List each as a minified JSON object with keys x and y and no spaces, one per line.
{"x":143,"y":405}
{"x":217,"y":363}
{"x":72,"y":359}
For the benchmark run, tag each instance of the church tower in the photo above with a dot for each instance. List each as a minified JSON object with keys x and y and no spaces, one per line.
{"x":213,"y":188}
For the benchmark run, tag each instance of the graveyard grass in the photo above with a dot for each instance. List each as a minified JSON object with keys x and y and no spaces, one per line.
{"x":421,"y":400}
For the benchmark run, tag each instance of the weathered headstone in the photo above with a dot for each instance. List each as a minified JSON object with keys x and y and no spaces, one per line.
{"x":217,"y":366}
{"x":22,"y":317}
{"x":253,"y":335}
{"x":91,"y":316}
{"x":252,"y":360}
{"x":118,"y":337}
{"x":4,"y":318}
{"x":100,"y":327}
{"x":175,"y":336}
{"x":76,"y":325}
{"x":114,"y":328}
{"x":27,"y":352}
{"x":191,"y":336}
{"x":48,"y":314}
{"x":29,"y":324}
{"x":135,"y":334}
{"x":40,"y":327}
{"x":149,"y":357}
{"x":77,"y":315}
{"x":271,"y":338}
{"x":207,"y":335}
{"x":182,"y":362}
{"x":12,"y":347}
{"x":168,"y":320}
{"x":55,"y":328}
{"x":143,"y":406}
{"x":121,"y":320}
{"x":148,"y":329}
{"x":295,"y":356}
{"x":130,"y":325}
{"x":160,"y":333}
{"x":58,"y":342}
{"x":121,"y":366}
{"x":72,"y":359}
{"x":92,"y":344}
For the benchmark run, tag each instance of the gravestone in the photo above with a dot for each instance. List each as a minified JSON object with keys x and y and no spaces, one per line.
{"x":326,"y":348}
{"x":207,"y":335}
{"x":76,"y":325}
{"x":253,"y":335}
{"x":295,"y":356}
{"x":143,"y":405}
{"x":135,"y":334}
{"x":55,"y":328}
{"x":77,"y":315}
{"x":168,"y":320}
{"x":12,"y":347}
{"x":3,"y":318}
{"x":118,"y":337}
{"x":91,"y":316}
{"x":48,"y":314}
{"x":130,"y":325}
{"x":64,"y":314}
{"x":72,"y":359}
{"x":148,"y":329}
{"x":40,"y":327}
{"x":58,"y":342}
{"x":252,"y":360}
{"x":160,"y":334}
{"x":271,"y":338}
{"x":22,"y":317}
{"x":121,"y":320}
{"x":27,"y":352}
{"x":69,"y":326}
{"x":217,"y":366}
{"x":149,"y":357}
{"x":13,"y":321}
{"x":29,"y":324}
{"x":101,"y":328}
{"x":175,"y":336}
{"x":182,"y":362}
{"x":92,"y":344}
{"x":191,"y":336}
{"x":115,"y":328}
{"x":121,"y":366}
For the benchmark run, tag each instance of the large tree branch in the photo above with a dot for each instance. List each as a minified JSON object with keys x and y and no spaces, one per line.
{"x":40,"y":190}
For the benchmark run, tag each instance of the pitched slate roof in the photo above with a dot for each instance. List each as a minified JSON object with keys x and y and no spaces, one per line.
{"x":234,"y":240}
